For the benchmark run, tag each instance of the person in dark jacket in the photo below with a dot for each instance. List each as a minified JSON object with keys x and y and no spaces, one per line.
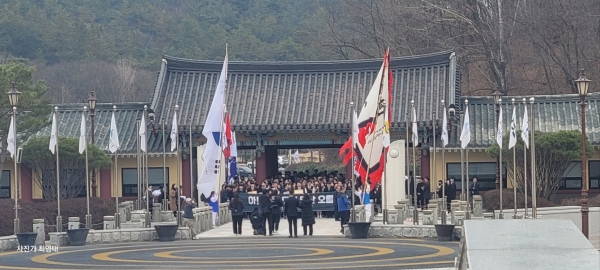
{"x":188,"y":216}
{"x":276,"y":205}
{"x":451,"y":194}
{"x":290,"y":209}
{"x":308,"y":217}
{"x":474,"y":187}
{"x":256,"y":221}
{"x":264,"y":205}
{"x":237,"y":214}
{"x":426,"y":191}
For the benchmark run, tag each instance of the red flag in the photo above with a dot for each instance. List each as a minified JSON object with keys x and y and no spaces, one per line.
{"x":228,"y":139}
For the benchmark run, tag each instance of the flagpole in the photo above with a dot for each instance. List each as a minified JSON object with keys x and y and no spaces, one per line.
{"x":165,"y":185}
{"x":222,"y":131}
{"x":533,"y":176}
{"x":191,"y":163}
{"x":462,"y":164}
{"x":433,"y":176}
{"x":443,"y":211}
{"x":88,"y":217}
{"x":139,"y":166}
{"x":58,"y":218}
{"x":115,"y":183}
{"x":468,"y":214}
{"x":513,"y":121}
{"x":144,"y":128}
{"x":525,"y":162}
{"x":407,"y":171}
{"x":415,"y":211}
{"x":178,"y":193}
{"x":353,"y":177}
{"x":501,"y":215}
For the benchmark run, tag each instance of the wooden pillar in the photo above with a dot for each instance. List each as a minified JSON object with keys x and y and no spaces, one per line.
{"x":105,"y":183}
{"x":261,"y":168}
{"x":185,"y":176}
{"x":26,"y":184}
{"x":425,"y":164}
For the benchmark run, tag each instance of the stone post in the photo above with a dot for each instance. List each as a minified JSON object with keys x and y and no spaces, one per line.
{"x":433,"y":207}
{"x":459,"y":217}
{"x":428,"y":217}
{"x":128,"y":209}
{"x":109,"y":223}
{"x":206,"y":218}
{"x":38,"y":227}
{"x":477,"y":206}
{"x":462,"y":206}
{"x":454,"y":206}
{"x":399,"y":214}
{"x":123,"y":212}
{"x":156,"y":213}
{"x":357,"y":212}
{"x":73,"y":223}
{"x":197,"y":219}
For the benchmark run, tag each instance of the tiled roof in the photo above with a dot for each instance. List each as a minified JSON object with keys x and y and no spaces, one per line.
{"x":552,"y":113}
{"x":301,"y":96}
{"x":126,"y":115}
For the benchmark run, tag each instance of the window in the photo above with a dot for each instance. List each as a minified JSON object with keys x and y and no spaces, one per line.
{"x":485,"y":172}
{"x":571,"y":177}
{"x":71,"y":180}
{"x":130,"y":178}
{"x":594,"y":171}
{"x":5,"y":184}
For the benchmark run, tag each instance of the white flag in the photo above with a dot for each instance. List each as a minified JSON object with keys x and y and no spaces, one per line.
{"x":386,"y":129}
{"x":415,"y":131}
{"x":174,"y":133}
{"x":296,"y":157}
{"x":465,"y":135}
{"x":113,"y":143}
{"x":500,"y":131}
{"x":143,"y":141}
{"x":513,"y":130}
{"x":445,"y":129}
{"x":525,"y":129}
{"x":53,"y":134}
{"x":213,"y":131}
{"x":82,"y":135}
{"x":10,"y":139}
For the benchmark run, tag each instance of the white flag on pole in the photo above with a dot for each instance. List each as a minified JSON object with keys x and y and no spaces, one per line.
{"x":465,"y":135}
{"x":296,"y":157}
{"x":513,"y":130}
{"x":82,"y":139}
{"x":415,"y":131}
{"x":174,"y":128}
{"x":143,"y":140}
{"x":53,"y":133}
{"x":445,"y":129}
{"x":500,"y":131}
{"x":525,"y":129}
{"x":213,"y":131}
{"x":113,"y":143}
{"x":10,"y":139}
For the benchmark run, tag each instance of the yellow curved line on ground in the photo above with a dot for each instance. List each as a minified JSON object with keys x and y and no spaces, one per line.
{"x":168,"y":254}
{"x":379,"y":251}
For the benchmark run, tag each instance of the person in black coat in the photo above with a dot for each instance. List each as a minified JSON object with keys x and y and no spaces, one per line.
{"x":237,"y":213}
{"x":308,"y":217}
{"x":264,"y":206}
{"x":276,"y":204}
{"x":426,"y":189}
{"x":474,"y":187}
{"x":290,"y":207}
{"x":451,"y":193}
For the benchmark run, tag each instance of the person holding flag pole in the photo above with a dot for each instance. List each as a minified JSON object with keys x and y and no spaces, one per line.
{"x":83,"y":147}
{"x":444,"y":143}
{"x":54,"y":149}
{"x":525,"y":138}
{"x":113,"y":146}
{"x":512,"y":141}
{"x":499,"y":141}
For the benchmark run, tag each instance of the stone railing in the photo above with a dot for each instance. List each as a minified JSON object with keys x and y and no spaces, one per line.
{"x":8,"y":243}
{"x":404,"y":231}
{"x":117,"y":236}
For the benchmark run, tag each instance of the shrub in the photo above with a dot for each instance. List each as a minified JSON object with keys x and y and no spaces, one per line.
{"x":593,"y":201}
{"x":491,"y":200}
{"x":99,"y":207}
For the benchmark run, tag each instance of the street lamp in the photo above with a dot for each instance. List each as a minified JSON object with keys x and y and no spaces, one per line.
{"x":92,"y":102}
{"x":497,"y":96}
{"x":13,"y":98}
{"x":583,"y":83}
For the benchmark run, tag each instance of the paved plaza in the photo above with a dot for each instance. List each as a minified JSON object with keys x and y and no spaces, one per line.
{"x":220,"y":249}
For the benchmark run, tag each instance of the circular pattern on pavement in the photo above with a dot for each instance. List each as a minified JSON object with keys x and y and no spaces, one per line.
{"x":244,"y":253}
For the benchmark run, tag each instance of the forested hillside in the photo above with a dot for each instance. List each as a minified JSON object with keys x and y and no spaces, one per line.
{"x":113,"y":47}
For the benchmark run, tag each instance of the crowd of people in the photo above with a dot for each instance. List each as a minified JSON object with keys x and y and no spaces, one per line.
{"x":447,"y":188}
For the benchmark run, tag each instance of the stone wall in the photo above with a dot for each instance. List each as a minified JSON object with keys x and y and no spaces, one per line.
{"x":8,"y":243}
{"x":118,"y":236}
{"x":403,"y":231}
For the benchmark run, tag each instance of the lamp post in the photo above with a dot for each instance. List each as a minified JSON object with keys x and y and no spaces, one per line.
{"x":13,"y":98}
{"x":497,"y":96}
{"x":583,"y":84}
{"x":92,"y":102}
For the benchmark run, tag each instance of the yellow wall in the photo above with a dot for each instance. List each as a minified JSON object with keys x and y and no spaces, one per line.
{"x":171,"y":163}
{"x":9,"y":165}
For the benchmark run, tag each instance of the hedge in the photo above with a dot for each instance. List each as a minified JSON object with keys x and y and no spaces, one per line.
{"x":99,"y":207}
{"x":491,"y":200}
